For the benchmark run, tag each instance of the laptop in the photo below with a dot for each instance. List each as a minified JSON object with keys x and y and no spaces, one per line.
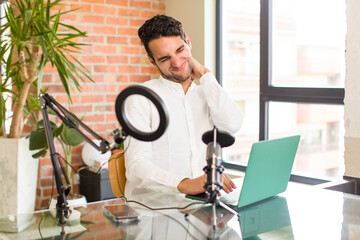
{"x":267,"y":174}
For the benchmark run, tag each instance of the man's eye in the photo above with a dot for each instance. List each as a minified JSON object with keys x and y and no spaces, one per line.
{"x":180,"y":49}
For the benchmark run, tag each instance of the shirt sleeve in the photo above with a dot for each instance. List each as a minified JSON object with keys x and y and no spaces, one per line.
{"x":224,"y":112}
{"x":141,"y":173}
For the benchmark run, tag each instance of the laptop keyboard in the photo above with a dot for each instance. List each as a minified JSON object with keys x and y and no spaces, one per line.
{"x":233,"y":197}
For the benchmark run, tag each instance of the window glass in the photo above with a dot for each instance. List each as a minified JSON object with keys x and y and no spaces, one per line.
{"x":241,"y":59}
{"x":307,"y":46}
{"x":308,"y":43}
{"x":320,"y":153}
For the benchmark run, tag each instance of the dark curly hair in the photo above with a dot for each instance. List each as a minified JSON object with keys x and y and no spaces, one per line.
{"x":159,"y":26}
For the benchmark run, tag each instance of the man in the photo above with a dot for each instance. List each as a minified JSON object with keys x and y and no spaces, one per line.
{"x":195,"y":102}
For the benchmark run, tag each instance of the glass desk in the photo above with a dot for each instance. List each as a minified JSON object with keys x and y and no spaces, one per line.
{"x":302,"y":212}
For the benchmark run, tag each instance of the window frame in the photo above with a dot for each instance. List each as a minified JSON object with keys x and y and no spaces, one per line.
{"x":268,"y":92}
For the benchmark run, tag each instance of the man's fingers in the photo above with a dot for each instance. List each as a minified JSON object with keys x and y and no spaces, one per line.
{"x":231,"y":182}
{"x":228,"y":184}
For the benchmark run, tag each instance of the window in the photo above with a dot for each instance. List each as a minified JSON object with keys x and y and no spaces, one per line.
{"x":308,"y":43}
{"x":283,"y":62}
{"x":320,"y":153}
{"x":241,"y":63}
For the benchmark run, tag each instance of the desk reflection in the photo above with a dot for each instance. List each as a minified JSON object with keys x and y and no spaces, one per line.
{"x":314,"y":214}
{"x":172,"y":224}
{"x":271,"y":215}
{"x":90,"y":223}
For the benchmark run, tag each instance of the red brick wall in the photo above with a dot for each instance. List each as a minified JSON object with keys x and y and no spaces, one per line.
{"x":115,"y":59}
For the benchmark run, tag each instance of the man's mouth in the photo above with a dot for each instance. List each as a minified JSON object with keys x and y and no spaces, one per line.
{"x":178,"y":69}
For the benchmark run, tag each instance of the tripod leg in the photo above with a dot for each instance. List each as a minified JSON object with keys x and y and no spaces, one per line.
{"x":228,"y":208}
{"x":214,"y":215}
{"x":233,"y":212}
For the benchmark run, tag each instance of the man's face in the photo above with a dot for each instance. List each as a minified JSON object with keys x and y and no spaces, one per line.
{"x":172,"y":57}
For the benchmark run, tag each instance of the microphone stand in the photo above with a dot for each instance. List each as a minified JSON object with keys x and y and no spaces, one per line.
{"x":214,"y":169}
{"x":71,"y":121}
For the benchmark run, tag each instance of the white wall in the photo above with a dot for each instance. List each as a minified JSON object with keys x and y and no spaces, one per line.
{"x":199,"y":21}
{"x":352,"y":91}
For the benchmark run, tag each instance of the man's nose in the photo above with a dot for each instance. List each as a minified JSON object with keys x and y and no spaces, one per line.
{"x":175,"y":62}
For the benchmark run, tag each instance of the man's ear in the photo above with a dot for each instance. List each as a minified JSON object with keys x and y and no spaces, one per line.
{"x":187,"y":39}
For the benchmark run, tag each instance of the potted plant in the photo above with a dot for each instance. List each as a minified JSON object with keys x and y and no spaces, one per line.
{"x":67,"y":138}
{"x":32,"y":35}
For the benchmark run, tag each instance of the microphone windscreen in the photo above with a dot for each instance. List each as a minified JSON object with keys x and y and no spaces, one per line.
{"x":224,"y":138}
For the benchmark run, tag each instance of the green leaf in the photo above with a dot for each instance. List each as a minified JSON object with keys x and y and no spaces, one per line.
{"x":59,"y":130}
{"x":29,"y":24}
{"x":2,"y":111}
{"x":82,"y":34}
{"x":40,"y":125}
{"x":37,"y":140}
{"x":39,"y":154}
{"x":83,"y":222}
{"x":41,"y":70}
{"x":48,"y":12}
{"x":71,"y":137}
{"x":56,"y":22}
{"x":28,"y":16}
{"x":10,"y":17}
{"x":9,"y":62}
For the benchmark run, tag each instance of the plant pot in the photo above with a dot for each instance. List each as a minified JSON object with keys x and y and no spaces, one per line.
{"x":18,"y":179}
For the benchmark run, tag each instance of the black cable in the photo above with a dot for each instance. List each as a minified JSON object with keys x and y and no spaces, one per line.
{"x":165,"y":208}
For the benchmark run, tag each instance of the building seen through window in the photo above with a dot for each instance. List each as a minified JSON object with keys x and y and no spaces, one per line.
{"x":308,"y":51}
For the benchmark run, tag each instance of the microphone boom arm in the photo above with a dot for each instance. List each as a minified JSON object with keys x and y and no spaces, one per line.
{"x":71,"y":121}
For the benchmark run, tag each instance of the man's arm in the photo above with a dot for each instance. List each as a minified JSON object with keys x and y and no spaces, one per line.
{"x":196,"y":185}
{"x":224,"y":113}
{"x":141,"y":172}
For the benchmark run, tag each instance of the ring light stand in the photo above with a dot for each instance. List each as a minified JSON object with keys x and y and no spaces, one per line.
{"x":71,"y":121}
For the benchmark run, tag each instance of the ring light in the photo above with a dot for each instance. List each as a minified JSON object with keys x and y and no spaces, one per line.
{"x":127,"y":127}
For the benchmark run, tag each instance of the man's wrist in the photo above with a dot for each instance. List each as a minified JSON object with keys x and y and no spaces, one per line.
{"x":181,"y":184}
{"x":203,"y":72}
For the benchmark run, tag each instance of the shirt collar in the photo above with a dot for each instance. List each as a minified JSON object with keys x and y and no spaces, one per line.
{"x":174,"y":85}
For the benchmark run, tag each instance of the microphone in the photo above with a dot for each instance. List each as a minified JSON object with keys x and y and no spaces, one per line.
{"x":213,"y":169}
{"x":215,"y":140}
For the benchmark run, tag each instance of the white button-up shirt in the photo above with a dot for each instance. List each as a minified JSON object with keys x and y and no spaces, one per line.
{"x":179,"y":153}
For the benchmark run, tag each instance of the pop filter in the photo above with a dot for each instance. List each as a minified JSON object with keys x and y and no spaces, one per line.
{"x":127,"y":127}
{"x":224,"y":138}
